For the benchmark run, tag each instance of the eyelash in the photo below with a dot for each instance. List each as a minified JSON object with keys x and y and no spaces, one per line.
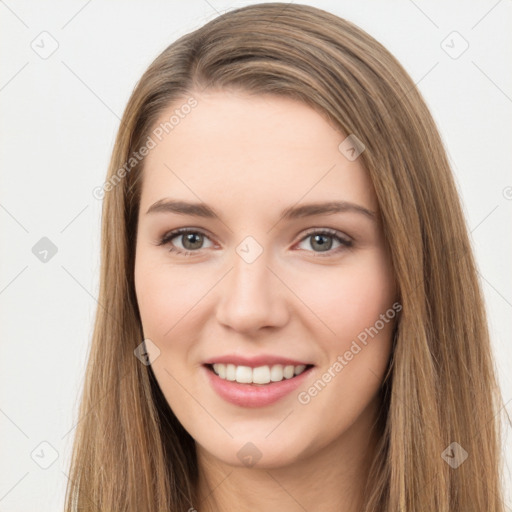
{"x":345,"y":243}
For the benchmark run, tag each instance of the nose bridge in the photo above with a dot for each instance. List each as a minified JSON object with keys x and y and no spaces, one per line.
{"x":251,"y":296}
{"x":250,"y":279}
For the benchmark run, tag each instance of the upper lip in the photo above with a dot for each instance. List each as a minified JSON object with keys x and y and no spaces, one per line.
{"x":256,"y":361}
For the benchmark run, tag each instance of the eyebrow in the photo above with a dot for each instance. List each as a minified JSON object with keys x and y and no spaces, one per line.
{"x":167,"y":205}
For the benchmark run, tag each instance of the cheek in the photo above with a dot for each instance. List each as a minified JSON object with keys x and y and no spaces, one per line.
{"x":166,"y":296}
{"x":350,"y":298}
{"x":356,"y":302}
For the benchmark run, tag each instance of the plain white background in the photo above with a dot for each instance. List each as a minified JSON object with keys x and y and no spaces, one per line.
{"x":59,"y":115}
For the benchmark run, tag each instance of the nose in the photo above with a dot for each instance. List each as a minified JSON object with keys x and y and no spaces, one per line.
{"x":252,"y":297}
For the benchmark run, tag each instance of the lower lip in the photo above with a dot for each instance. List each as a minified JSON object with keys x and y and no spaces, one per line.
{"x":254,"y":395}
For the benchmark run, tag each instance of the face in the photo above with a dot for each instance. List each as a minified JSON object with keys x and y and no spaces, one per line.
{"x":269,"y":319}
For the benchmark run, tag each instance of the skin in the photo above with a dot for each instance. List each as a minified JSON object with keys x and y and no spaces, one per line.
{"x":249,"y":157}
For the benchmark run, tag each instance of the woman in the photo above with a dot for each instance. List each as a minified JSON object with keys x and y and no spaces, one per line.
{"x":291,"y":316}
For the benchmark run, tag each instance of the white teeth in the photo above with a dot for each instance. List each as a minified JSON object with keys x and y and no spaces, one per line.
{"x":220,"y":369}
{"x":299,"y":369}
{"x":276,"y":373}
{"x":259,"y":375}
{"x":243,"y":374}
{"x":230,"y":372}
{"x":288,"y":372}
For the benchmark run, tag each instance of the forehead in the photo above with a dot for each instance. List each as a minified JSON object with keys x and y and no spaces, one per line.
{"x":251,"y":151}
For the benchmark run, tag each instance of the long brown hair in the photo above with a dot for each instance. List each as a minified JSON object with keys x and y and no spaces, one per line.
{"x":130,"y":452}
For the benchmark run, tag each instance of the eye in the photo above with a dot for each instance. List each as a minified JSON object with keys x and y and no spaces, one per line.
{"x":323,"y":241}
{"x":191,"y":240}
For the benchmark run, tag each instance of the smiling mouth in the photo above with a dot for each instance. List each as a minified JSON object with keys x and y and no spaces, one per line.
{"x":260,"y":375}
